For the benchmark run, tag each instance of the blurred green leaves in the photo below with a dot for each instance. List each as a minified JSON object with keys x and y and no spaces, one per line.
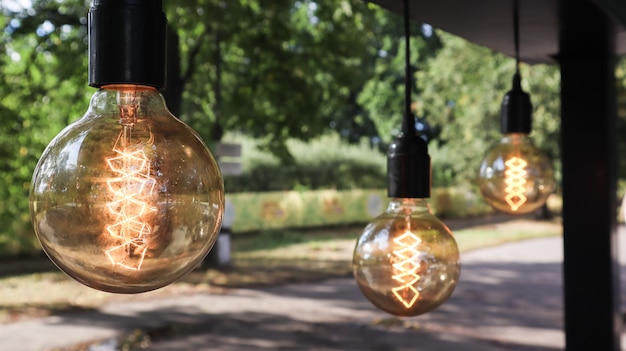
{"x":462,"y":90}
{"x":272,"y":70}
{"x":44,"y":70}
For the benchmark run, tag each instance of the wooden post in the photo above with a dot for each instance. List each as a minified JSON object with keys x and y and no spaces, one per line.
{"x":588,"y":147}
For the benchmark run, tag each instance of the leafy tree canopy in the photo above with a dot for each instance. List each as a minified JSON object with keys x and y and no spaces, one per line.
{"x":462,"y":90}
{"x":272,"y":70}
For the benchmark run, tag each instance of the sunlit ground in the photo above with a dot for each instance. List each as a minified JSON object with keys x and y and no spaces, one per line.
{"x":273,"y":257}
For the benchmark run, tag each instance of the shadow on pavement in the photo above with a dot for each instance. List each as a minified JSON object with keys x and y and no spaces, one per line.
{"x":497,"y":306}
{"x":262,"y":331}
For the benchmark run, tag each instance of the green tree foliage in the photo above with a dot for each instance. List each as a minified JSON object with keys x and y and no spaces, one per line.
{"x":462,"y":90}
{"x":43,"y":73}
{"x":383,"y":94}
{"x":275,"y":69}
{"x":272,"y":70}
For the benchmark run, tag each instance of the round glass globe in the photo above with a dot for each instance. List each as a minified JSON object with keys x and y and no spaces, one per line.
{"x":128,"y":198}
{"x":406,"y":262}
{"x":515,"y":176}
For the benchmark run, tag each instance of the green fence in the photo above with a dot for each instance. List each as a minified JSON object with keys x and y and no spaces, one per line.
{"x":294,"y":209}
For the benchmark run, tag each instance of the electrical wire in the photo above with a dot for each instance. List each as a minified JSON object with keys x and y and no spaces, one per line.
{"x":516,"y":34}
{"x":408,"y":121}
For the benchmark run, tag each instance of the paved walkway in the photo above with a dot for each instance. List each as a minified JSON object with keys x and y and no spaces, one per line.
{"x":509,"y":298}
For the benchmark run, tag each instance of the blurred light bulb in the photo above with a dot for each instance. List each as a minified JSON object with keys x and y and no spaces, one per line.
{"x":515,"y":176}
{"x":128,"y":198}
{"x":406,"y":262}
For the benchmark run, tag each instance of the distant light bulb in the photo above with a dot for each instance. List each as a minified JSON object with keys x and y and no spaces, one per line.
{"x":406,"y":262}
{"x":515,"y":176}
{"x":128,"y":198}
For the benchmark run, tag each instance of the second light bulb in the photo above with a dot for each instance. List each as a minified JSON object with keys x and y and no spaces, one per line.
{"x":406,"y":262}
{"x":515,"y":176}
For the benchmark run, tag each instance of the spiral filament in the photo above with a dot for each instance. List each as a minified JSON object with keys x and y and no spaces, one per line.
{"x":131,"y":190}
{"x":406,"y":267}
{"x":515,"y":179}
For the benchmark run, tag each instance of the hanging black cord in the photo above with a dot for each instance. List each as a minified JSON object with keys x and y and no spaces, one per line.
{"x":516,"y":33}
{"x":408,"y":162}
{"x":516,"y":115}
{"x":408,"y":121}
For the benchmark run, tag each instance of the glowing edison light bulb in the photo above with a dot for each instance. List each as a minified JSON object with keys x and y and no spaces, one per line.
{"x":127,"y":199}
{"x":406,"y":262}
{"x":516,"y":177}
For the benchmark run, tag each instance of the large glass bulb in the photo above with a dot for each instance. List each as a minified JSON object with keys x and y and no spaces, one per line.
{"x":515,"y":176}
{"x":406,"y":262}
{"x":128,"y":198}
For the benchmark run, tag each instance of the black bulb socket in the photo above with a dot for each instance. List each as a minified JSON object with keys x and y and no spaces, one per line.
{"x":516,"y":114}
{"x":127,"y":43}
{"x":408,"y":167}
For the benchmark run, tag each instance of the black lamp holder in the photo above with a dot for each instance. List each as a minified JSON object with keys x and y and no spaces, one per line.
{"x":516,"y":112}
{"x":408,"y":162}
{"x":127,"y":42}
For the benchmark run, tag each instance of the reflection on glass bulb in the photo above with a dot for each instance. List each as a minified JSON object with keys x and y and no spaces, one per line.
{"x":128,"y":198}
{"x":516,"y":177}
{"x":406,"y":262}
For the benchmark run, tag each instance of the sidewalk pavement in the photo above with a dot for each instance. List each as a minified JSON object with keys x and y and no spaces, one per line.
{"x":508,"y":298}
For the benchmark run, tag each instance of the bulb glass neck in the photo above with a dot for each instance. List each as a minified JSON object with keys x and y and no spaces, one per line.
{"x":515,"y":138}
{"x":407,"y":206}
{"x":112,"y":99}
{"x":130,"y":88}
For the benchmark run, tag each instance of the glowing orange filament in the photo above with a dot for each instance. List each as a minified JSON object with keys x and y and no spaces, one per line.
{"x":515,"y":179}
{"x":406,"y":267}
{"x":131,"y":190}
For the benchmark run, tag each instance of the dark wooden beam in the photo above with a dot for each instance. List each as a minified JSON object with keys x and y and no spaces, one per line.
{"x":589,"y":161}
{"x":616,"y":8}
{"x":490,"y":23}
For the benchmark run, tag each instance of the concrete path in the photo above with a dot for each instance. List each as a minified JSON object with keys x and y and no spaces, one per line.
{"x":509,"y":298}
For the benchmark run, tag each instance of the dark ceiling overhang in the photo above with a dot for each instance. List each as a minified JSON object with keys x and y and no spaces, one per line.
{"x":490,"y":23}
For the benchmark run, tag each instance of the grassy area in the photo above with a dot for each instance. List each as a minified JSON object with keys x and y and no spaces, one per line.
{"x":337,"y":244}
{"x":497,"y":234}
{"x":272,"y":257}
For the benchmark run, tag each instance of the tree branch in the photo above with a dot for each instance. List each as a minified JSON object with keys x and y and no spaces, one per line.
{"x":191,"y":60}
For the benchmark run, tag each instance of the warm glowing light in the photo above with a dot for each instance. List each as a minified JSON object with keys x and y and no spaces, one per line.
{"x":515,"y":180}
{"x":127,"y":198}
{"x":515,"y":176}
{"x":406,"y":262}
{"x":131,"y":204}
{"x":406,"y":268}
